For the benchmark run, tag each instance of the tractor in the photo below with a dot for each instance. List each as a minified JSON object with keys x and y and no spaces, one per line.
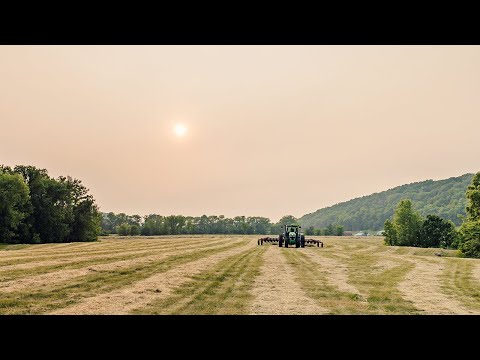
{"x":291,"y":236}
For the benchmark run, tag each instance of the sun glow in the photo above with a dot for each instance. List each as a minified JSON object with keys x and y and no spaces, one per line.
{"x":180,"y":130}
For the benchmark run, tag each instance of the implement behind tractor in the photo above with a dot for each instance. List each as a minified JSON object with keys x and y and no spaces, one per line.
{"x":291,"y":236}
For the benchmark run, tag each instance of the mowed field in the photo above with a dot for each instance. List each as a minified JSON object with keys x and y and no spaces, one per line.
{"x":232,"y":275}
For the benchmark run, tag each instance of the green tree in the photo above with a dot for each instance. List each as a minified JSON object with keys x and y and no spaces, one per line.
{"x":437,"y":232}
{"x":123,"y":229}
{"x":153,"y":225}
{"x":473,"y":198}
{"x":390,"y":233}
{"x":406,"y":225}
{"x":471,"y":248}
{"x":317,"y":232}
{"x":134,"y":230}
{"x":52,"y":213}
{"x":175,"y":223}
{"x":14,"y":201}
{"x":309,"y":231}
{"x":470,"y":228}
{"x":85,"y":219}
{"x":258,"y":224}
{"x":329,"y":230}
{"x":338,"y":230}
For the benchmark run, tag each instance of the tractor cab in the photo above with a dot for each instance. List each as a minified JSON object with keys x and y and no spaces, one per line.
{"x":292,"y":236}
{"x":291,"y":232}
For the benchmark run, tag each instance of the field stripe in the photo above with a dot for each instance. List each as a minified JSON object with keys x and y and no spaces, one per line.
{"x":313,"y":280}
{"x":222,"y":290}
{"x":336,"y":270}
{"x":153,"y":288}
{"x":78,"y":262}
{"x":458,"y":280}
{"x":55,"y":297}
{"x":62,"y":275}
{"x":423,"y":287}
{"x":276,"y":291}
{"x":11,"y":262}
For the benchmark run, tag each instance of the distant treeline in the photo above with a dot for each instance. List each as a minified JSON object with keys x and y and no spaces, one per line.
{"x":444,"y":198}
{"x":330,"y":230}
{"x":35,"y":208}
{"x":154,"y":224}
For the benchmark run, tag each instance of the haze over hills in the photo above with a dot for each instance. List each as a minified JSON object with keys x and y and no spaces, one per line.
{"x":445,"y":198}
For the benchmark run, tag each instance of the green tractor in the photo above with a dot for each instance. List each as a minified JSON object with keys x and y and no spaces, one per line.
{"x":291,"y":236}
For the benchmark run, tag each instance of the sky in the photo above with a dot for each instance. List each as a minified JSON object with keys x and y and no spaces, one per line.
{"x":267,"y":130}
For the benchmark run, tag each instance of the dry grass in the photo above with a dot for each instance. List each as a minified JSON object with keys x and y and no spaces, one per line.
{"x":223,"y":290}
{"x":232,"y":275}
{"x":459,"y":281}
{"x":276,"y":290}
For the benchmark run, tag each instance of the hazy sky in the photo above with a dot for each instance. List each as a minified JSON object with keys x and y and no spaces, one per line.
{"x":272,"y":130}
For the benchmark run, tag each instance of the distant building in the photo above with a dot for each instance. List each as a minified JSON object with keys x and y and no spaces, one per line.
{"x":361,"y":233}
{"x":380,"y":233}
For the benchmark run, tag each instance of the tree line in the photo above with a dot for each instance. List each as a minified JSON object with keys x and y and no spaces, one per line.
{"x":444,"y":198}
{"x":330,"y":230}
{"x":36,"y":208}
{"x":154,"y":224}
{"x":409,"y":228}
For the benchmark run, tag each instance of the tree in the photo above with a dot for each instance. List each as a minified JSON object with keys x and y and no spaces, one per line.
{"x":52,"y":213}
{"x":390,"y":233}
{"x":470,"y":228}
{"x":123,"y":229}
{"x":329,"y":230}
{"x":258,"y":224}
{"x":153,"y":225}
{"x":471,"y":248}
{"x":14,"y":201}
{"x":54,"y":210}
{"x":85,"y":218}
{"x":338,"y":230}
{"x":437,"y":232}
{"x":407,"y":224}
{"x":405,"y":228}
{"x":309,"y":231}
{"x":473,"y":198}
{"x":174,"y":224}
{"x":317,"y":232}
{"x":134,"y":230}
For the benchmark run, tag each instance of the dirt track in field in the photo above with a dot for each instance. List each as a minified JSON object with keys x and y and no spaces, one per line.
{"x":276,"y":291}
{"x":128,"y":275}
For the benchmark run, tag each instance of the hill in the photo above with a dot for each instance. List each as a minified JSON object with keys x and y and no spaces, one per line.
{"x":445,"y":198}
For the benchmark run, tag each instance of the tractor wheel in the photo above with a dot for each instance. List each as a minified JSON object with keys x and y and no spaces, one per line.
{"x":297,"y":243}
{"x":286,"y":242}
{"x":280,"y":240}
{"x":302,"y":241}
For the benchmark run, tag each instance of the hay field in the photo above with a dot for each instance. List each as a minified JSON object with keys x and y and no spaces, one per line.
{"x":221,"y":274}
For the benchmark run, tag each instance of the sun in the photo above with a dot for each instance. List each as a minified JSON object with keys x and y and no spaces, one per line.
{"x":180,"y":130}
